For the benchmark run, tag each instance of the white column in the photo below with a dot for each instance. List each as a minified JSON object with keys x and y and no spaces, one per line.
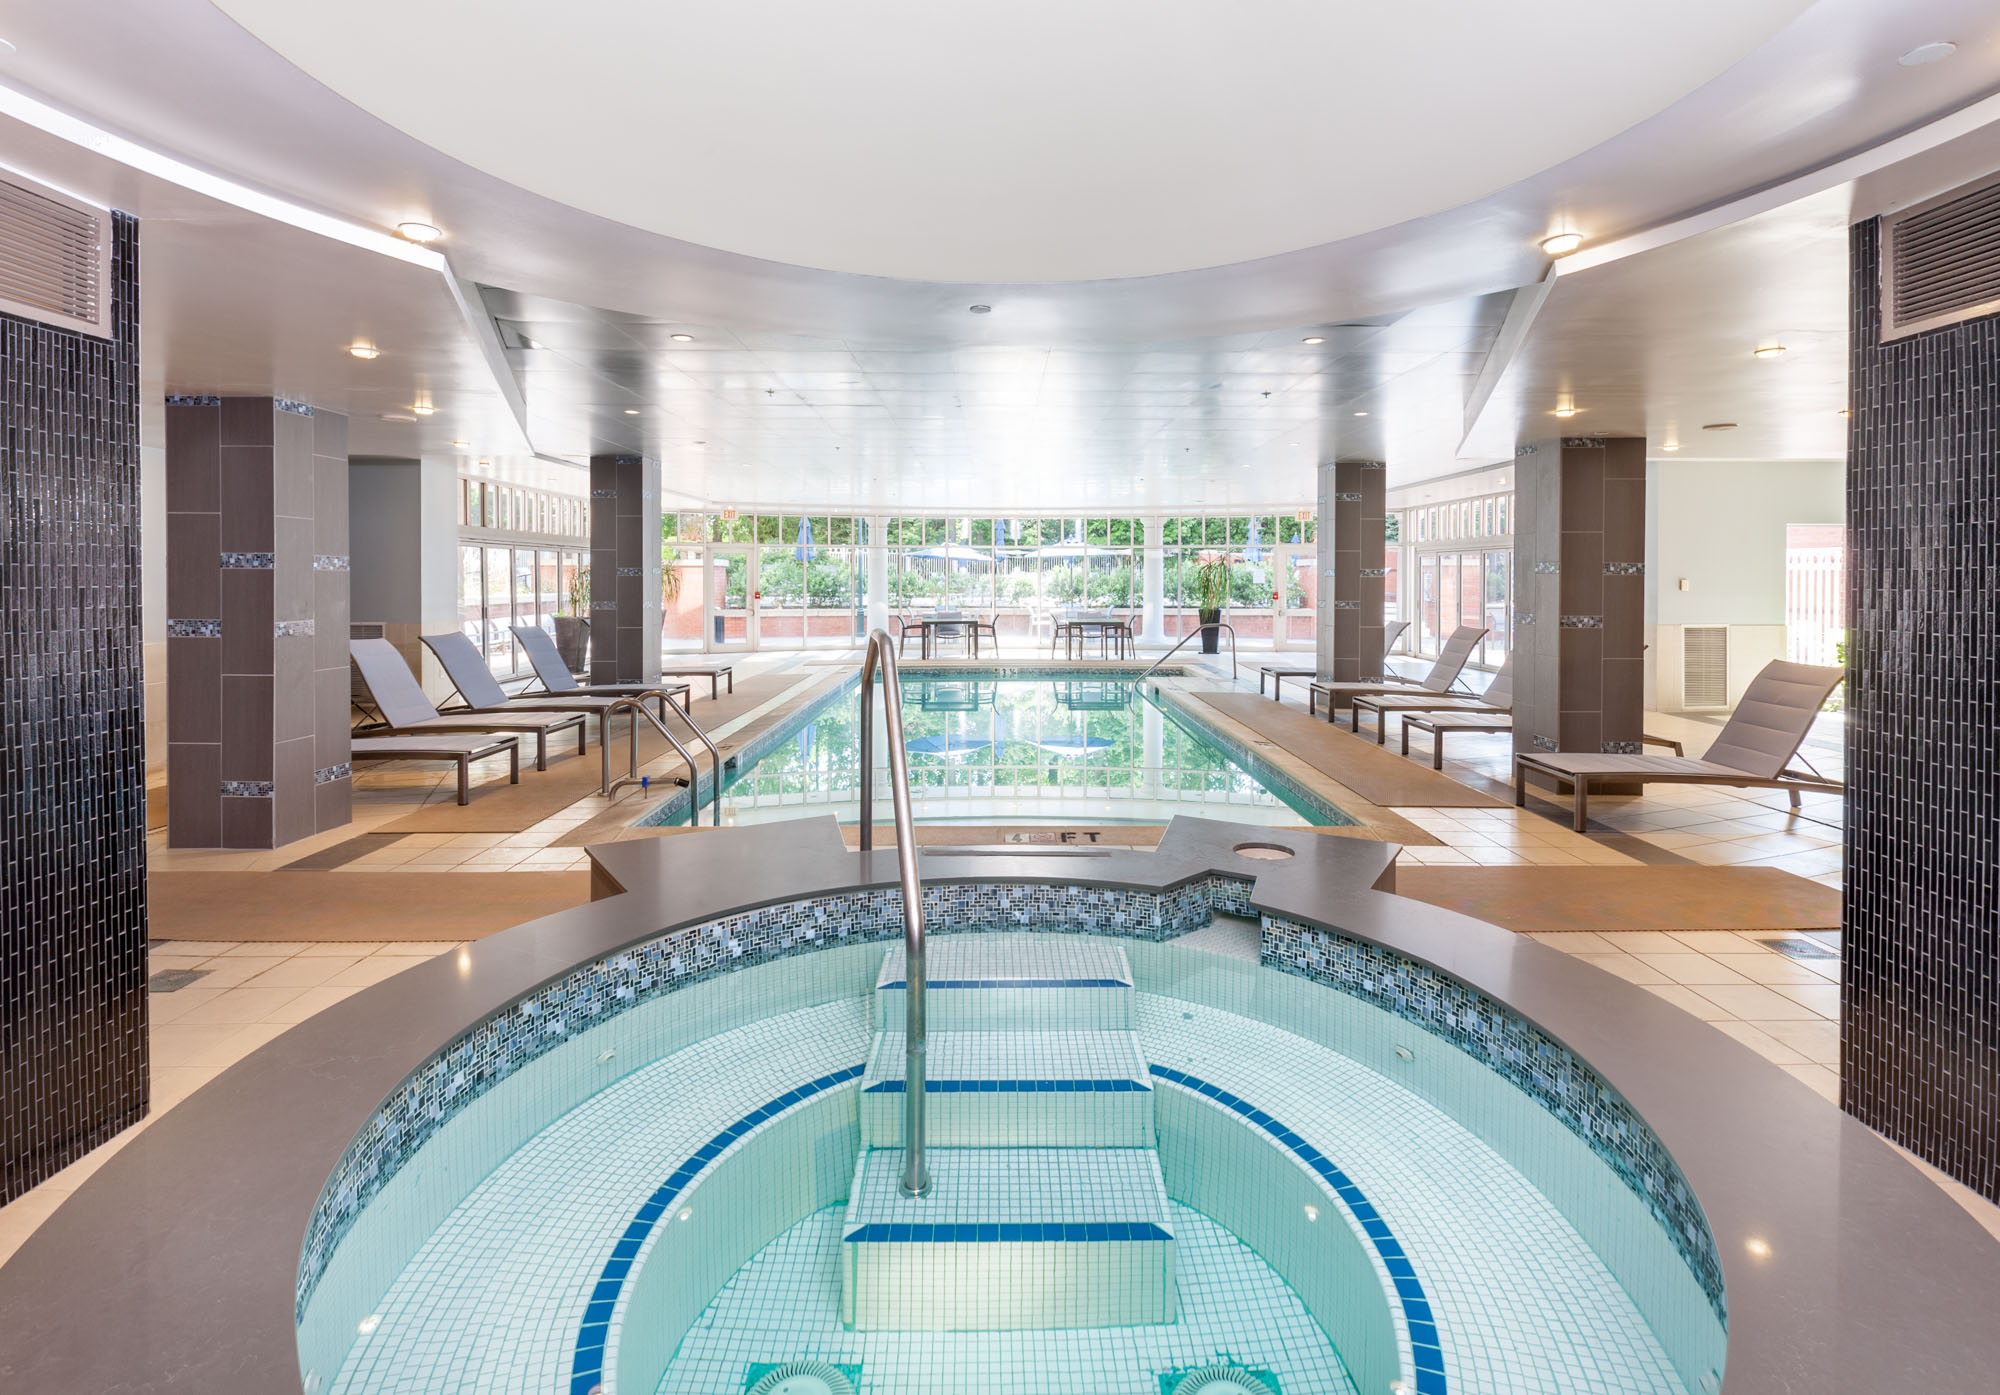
{"x":878,"y":573}
{"x":1152,"y":622}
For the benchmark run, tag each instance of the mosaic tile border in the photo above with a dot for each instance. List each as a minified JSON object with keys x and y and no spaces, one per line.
{"x":1522,"y":1054}
{"x":494,"y":1049}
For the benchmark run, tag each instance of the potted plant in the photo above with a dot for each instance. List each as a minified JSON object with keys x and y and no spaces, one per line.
{"x":1211,"y":593}
{"x":573,"y":629}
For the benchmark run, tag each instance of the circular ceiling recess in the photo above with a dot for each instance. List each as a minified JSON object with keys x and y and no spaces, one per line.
{"x":1030,"y":141}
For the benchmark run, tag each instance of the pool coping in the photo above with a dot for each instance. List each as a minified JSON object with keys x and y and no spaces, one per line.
{"x":1846,"y":1267}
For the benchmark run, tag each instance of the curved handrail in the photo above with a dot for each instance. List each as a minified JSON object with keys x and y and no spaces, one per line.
{"x":882,"y":653}
{"x":631,"y":777}
{"x":714,"y":761}
{"x":1234,"y":671}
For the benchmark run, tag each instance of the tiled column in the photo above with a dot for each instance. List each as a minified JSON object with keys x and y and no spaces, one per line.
{"x":257,"y":609}
{"x":624,"y":569}
{"x":1580,"y":595}
{"x":1352,"y":569}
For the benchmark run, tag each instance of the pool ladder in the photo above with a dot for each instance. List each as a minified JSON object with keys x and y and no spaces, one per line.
{"x":637,"y":707}
{"x":1219,"y":625}
{"x":881,"y":653}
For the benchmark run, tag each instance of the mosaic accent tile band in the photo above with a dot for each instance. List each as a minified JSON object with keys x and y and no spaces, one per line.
{"x":1920,"y":1036}
{"x":1525,"y":1056}
{"x":73,"y":1062}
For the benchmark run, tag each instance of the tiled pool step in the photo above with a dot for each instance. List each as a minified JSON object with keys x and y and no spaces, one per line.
{"x":1009,"y":1238}
{"x":976,"y":984}
{"x":994,"y":1089}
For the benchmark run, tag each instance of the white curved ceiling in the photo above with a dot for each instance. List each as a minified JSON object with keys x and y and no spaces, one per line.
{"x":1032,"y":141}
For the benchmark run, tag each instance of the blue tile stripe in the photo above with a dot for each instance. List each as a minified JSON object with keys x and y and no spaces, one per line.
{"x":1013,"y":1087}
{"x":1013,"y":983}
{"x":1029,"y":1232}
{"x":587,"y":1362}
{"x":1426,"y":1348}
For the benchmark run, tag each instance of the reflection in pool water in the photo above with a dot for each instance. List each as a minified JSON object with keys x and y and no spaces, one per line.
{"x":991,"y":750}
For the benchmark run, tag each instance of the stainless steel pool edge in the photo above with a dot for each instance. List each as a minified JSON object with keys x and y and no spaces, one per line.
{"x":1864,"y":1275}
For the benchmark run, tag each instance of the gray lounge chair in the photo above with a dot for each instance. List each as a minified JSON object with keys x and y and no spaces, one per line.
{"x":460,"y":750}
{"x":1498,"y":697}
{"x":482,"y":692}
{"x":1392,"y":632}
{"x":406,"y":711}
{"x":1753,"y":750}
{"x":1450,"y":662}
{"x":556,"y":678}
{"x":1278,"y":673}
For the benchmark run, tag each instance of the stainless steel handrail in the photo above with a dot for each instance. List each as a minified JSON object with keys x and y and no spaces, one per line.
{"x":1234,"y":671}
{"x":714,"y":761}
{"x":610,"y":786}
{"x":881,"y":653}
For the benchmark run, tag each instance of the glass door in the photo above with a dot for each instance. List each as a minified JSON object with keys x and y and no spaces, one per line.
{"x":1295,"y":592}
{"x":779,"y":597}
{"x":729,"y":599}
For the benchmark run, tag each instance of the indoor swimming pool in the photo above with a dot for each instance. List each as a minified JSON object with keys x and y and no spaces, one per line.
{"x":1002,"y":746}
{"x":1173,"y":1149}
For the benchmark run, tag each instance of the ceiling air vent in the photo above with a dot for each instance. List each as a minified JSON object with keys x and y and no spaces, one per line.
{"x":55,"y":259}
{"x":1704,"y":666}
{"x":1941,"y":261}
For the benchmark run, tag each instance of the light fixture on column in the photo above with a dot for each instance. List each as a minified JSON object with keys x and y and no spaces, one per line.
{"x":1562,"y":244}
{"x":419,"y":232}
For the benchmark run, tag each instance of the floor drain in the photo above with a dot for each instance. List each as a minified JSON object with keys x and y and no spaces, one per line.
{"x":802,"y":1378}
{"x":171,"y":980}
{"x":1798,"y":947}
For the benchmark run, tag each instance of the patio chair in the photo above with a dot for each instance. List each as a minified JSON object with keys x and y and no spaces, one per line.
{"x":1450,"y":662}
{"x":1498,"y":697}
{"x":1753,"y":751}
{"x":466,"y":668}
{"x":989,"y":626}
{"x":405,"y":710}
{"x":905,"y":623}
{"x":558,"y":681}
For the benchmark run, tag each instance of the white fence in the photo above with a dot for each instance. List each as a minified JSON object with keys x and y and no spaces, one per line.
{"x":1815,"y":603}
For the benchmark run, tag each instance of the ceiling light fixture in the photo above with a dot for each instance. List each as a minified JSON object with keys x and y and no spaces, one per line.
{"x":1767,"y":351}
{"x":1361,"y":414}
{"x":361,"y":349}
{"x":420,"y":233}
{"x":1720,"y":426}
{"x":1562,"y":244}
{"x":399,"y":416}
{"x":1928,"y":53}
{"x":1670,"y":445}
{"x":631,"y":411}
{"x":681,"y":338}
{"x":980,"y":309}
{"x":423,"y":409}
{"x":1313,"y":339}
{"x":1567,"y":410}
{"x":460,"y":445}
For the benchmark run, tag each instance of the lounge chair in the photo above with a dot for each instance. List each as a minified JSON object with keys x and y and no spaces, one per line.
{"x":1278,"y":673}
{"x":1392,"y":632}
{"x":461,"y":750}
{"x":1752,"y":751}
{"x":406,"y":711}
{"x":556,"y":678}
{"x":482,"y":692}
{"x":1498,"y":697}
{"x":1450,"y":662}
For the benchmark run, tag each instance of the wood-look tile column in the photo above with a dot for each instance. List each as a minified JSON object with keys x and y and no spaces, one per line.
{"x":1353,"y":569}
{"x":1580,"y":588}
{"x":257,"y":575}
{"x":625,"y":613}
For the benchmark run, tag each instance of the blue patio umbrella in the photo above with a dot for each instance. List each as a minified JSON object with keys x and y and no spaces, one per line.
{"x":1253,"y":554}
{"x":1084,"y":746}
{"x":804,"y":551}
{"x":948,"y":745}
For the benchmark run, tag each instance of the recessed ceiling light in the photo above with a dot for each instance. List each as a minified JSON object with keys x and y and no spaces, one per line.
{"x":1562,"y":244}
{"x":1567,"y":410}
{"x":1292,"y":444}
{"x":461,"y":445}
{"x":363,"y":349}
{"x":1720,"y":426}
{"x":1767,"y":350}
{"x":980,"y":309}
{"x":398,"y":416}
{"x":1361,"y":414}
{"x":1670,"y":445}
{"x":681,"y":338}
{"x":1928,"y":53}
{"x":631,"y":411}
{"x":1313,"y":339}
{"x":419,"y":232}
{"x":1758,"y":1246}
{"x":423,"y":409}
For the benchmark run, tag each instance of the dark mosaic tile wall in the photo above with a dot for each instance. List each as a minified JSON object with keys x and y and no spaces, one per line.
{"x":624,"y":569}
{"x":1353,"y":572}
{"x":1920,"y":1031}
{"x":72,"y":725}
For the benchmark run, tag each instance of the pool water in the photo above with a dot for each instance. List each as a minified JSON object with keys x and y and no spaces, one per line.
{"x":1007,"y":749}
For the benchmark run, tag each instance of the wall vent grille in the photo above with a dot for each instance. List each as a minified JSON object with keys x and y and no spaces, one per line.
{"x":55,"y":259}
{"x":1704,"y":666}
{"x":1943,"y":261}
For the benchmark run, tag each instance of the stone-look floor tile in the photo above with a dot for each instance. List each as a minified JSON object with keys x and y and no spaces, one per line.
{"x":1762,"y":1042}
{"x":1823,"y":1080}
{"x":1755,"y":1003}
{"x":1643,"y":941}
{"x":165,"y":1008}
{"x":304,"y":971}
{"x":1821,"y":998}
{"x":1627,"y":967}
{"x":1577,"y":942}
{"x":373,"y":970}
{"x":1688,"y":1001}
{"x":1771,"y":968}
{"x":1721,"y":854}
{"x":238,"y":1007}
{"x":347,"y":949}
{"x":206,"y":949}
{"x":311,"y":1001}
{"x":1816,"y":1039}
{"x":1691,"y":968}
{"x":230,"y":970}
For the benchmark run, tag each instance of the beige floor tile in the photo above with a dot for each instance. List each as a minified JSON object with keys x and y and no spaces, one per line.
{"x":311,"y":1001}
{"x":1822,"y":998}
{"x":1688,"y":1000}
{"x":1693,"y":969}
{"x":373,"y":970}
{"x":1763,"y":1043}
{"x":1755,"y":1003}
{"x":428,"y":949}
{"x":229,"y":970}
{"x":238,"y":1006}
{"x":343,"y":949}
{"x":260,"y":949}
{"x":1631,"y":969}
{"x":164,"y":1008}
{"x":1721,"y":854}
{"x":1644,"y":941}
{"x":1673,"y":840}
{"x":1577,"y":942}
{"x":205,"y":949}
{"x":1822,"y":1079}
{"x":158,"y":959}
{"x":172,"y":1084}
{"x":304,"y":971}
{"x":1770,"y":967}
{"x":176,"y":1045}
{"x":1816,"y":1039}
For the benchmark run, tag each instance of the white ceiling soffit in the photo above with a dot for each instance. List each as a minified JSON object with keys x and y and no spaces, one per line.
{"x":1012,"y":140}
